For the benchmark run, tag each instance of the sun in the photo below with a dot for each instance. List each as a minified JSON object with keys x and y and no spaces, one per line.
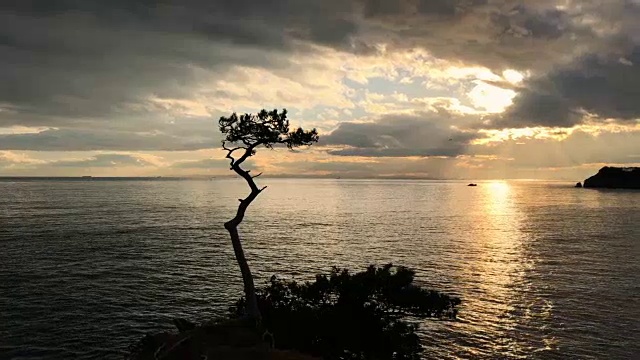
{"x":490,"y":98}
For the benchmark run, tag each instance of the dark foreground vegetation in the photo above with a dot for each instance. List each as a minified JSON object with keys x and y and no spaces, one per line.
{"x":371,"y":314}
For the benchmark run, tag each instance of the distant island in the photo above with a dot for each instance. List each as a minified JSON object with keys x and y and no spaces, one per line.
{"x":615,"y":178}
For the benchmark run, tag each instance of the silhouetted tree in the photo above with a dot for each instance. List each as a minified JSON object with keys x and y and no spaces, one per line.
{"x":247,"y":133}
{"x":351,"y":316}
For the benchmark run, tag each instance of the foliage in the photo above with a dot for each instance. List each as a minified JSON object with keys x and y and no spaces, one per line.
{"x":351,"y":316}
{"x":264,"y":128}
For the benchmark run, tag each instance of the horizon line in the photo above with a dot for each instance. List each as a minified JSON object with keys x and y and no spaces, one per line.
{"x":220,"y":177}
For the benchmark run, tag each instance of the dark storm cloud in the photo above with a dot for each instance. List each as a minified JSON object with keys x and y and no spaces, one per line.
{"x":601,"y":81}
{"x":91,"y":58}
{"x":583,"y":56}
{"x":75,"y":65}
{"x":87,"y":139}
{"x":89,"y":65}
{"x":538,"y":108}
{"x":98,"y":59}
{"x":497,"y":34}
{"x":401,"y":135}
{"x":605,"y":86}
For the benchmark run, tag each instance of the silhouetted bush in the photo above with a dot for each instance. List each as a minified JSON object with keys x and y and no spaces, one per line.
{"x":366,"y":315}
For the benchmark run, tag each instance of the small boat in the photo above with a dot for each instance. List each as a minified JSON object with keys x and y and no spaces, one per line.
{"x":472,"y":184}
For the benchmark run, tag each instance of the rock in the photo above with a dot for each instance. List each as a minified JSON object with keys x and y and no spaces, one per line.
{"x":227,"y":340}
{"x":472,"y":184}
{"x":183,"y":325}
{"x":615,"y":178}
{"x":578,"y":184}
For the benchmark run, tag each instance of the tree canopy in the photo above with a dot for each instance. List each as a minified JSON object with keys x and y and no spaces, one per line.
{"x":264,"y":128}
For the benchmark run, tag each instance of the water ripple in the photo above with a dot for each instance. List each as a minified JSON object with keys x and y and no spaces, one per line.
{"x":545,"y":271}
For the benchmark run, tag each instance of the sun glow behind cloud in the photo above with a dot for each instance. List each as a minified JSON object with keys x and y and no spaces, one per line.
{"x":494,"y":136}
{"x":491,"y":98}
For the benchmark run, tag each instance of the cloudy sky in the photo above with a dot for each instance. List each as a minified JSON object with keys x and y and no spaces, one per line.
{"x":397,"y":88}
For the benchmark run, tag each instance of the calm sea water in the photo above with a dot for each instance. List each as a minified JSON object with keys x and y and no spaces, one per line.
{"x":545,"y":271}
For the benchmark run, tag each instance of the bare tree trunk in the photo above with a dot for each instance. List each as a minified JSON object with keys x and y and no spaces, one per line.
{"x":249,"y":288}
{"x":232,"y":226}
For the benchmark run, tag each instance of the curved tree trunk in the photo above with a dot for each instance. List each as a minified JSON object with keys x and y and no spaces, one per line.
{"x":249,"y":288}
{"x":232,"y":226}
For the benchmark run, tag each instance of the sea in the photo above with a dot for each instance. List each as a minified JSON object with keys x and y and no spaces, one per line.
{"x":544,"y":270}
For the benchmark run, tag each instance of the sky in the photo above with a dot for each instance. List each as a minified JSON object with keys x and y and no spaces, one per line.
{"x":440,"y":89}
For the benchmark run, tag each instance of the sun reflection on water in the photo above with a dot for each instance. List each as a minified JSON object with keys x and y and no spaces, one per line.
{"x":499,"y":191}
{"x":501,"y":266}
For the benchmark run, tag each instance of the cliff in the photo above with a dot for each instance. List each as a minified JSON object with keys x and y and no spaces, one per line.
{"x":615,"y":178}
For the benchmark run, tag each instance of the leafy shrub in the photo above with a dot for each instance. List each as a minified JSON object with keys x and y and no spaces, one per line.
{"x":365,"y":315}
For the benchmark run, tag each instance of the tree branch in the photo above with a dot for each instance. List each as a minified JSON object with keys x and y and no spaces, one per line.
{"x":224,"y":146}
{"x":248,"y":152}
{"x":255,"y":191}
{"x":230,"y":152}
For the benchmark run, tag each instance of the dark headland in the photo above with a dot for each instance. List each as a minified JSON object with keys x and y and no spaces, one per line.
{"x":615,"y":178}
